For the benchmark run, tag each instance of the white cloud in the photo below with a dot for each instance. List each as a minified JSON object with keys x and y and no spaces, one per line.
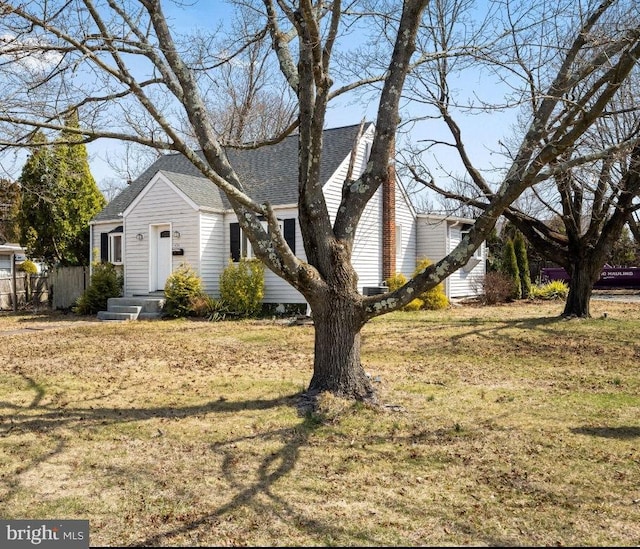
{"x":30,"y":53}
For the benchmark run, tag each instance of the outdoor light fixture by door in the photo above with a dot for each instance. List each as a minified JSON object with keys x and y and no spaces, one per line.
{"x":139,"y":236}
{"x":176,"y":234}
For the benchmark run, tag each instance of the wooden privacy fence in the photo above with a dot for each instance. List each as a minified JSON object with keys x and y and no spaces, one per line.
{"x":61,"y":287}
{"x":66,"y":285}
{"x":32,"y":289}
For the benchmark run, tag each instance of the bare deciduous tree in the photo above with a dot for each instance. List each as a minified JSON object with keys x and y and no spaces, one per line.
{"x":593,"y":204}
{"x":249,"y":103}
{"x":592,"y":182}
{"x":120,"y":65}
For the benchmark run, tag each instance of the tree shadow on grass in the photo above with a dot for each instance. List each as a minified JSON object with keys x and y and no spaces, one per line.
{"x":621,"y":433}
{"x":253,"y":490}
{"x":272,"y":467}
{"x":49,"y":417}
{"x":490,"y":329}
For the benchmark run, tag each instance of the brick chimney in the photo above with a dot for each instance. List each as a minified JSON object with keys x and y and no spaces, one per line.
{"x":389,"y":219}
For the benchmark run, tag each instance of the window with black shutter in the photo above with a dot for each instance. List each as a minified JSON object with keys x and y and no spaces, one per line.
{"x":290,"y":233}
{"x":104,"y":247}
{"x":239,"y":245}
{"x":234,"y":241}
{"x":115,"y":246}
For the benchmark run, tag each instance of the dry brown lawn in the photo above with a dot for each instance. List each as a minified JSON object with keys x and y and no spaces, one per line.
{"x":498,"y":426}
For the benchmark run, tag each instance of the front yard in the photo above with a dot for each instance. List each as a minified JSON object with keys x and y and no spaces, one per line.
{"x":498,"y":426}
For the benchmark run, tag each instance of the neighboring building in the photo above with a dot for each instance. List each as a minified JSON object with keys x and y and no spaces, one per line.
{"x":16,"y":290}
{"x":7,"y":253}
{"x":172,"y":215}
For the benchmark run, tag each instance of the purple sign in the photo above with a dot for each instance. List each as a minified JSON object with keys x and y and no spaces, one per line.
{"x":610,"y":277}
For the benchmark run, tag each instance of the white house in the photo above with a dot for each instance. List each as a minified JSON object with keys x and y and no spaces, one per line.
{"x":436,"y":237}
{"x":172,"y":215}
{"x":10,"y":254}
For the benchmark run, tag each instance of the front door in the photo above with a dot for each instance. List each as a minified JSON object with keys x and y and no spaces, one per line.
{"x":163,"y":255}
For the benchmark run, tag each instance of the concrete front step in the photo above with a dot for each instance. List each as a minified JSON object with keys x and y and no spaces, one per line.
{"x":148,"y":304}
{"x":109,"y":315}
{"x":133,"y":308}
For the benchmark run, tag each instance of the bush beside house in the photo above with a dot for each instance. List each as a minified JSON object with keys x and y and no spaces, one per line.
{"x":432,"y":300}
{"x":106,"y":282}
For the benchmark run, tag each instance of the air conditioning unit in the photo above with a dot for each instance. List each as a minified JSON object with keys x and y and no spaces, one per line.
{"x":374,"y":290}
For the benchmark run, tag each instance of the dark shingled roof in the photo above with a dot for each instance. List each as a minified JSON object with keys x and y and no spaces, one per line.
{"x":269,"y":173}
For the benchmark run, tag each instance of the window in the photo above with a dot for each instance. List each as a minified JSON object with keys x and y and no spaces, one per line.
{"x":246,"y":250}
{"x":111,"y":246}
{"x":239,"y":244}
{"x":5,"y":263}
{"x":478,"y":252}
{"x":115,"y":248}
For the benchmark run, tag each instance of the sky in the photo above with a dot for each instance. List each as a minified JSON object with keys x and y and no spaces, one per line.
{"x":192,"y":15}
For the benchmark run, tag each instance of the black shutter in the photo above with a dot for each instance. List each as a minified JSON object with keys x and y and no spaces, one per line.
{"x":234,"y":241}
{"x":290,"y":233}
{"x":104,"y":247}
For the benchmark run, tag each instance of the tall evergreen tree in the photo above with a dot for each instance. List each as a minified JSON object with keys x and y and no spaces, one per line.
{"x":510,"y":268}
{"x":83,"y":197}
{"x":59,"y":198}
{"x":37,"y":197}
{"x":9,"y":208}
{"x":520,"y":249}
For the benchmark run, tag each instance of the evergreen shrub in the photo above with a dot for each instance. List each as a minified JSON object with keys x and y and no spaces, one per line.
{"x":510,"y":269}
{"x":242,"y":287}
{"x":397,"y":281}
{"x":28,"y":266}
{"x":520,"y":249}
{"x":182,"y":288}
{"x":105,"y":282}
{"x":433,"y":299}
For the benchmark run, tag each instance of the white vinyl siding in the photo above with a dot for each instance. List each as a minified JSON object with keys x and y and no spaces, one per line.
{"x":406,"y":240}
{"x":468,"y":280}
{"x":213,"y":255}
{"x":367,"y":245}
{"x":431,"y":239}
{"x":437,"y":237}
{"x":150,"y":210}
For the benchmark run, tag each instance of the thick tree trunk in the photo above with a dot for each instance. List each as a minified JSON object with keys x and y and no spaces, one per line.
{"x":337,"y":368}
{"x":580,"y":289}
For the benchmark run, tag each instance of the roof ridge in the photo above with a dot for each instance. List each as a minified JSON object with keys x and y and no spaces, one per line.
{"x":367,"y":123}
{"x":267,"y":172}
